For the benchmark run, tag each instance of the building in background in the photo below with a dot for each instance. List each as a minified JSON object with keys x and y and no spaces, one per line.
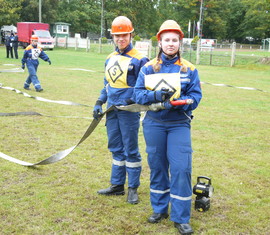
{"x":60,"y":29}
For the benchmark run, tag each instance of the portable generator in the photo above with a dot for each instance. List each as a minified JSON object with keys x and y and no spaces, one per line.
{"x":204,"y":190}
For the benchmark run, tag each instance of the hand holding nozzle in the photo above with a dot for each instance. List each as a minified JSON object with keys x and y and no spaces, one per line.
{"x":181,"y":102}
{"x":155,"y":106}
{"x":158,"y":106}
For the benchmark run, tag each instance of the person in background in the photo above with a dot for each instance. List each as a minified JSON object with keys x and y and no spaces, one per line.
{"x":30,"y":58}
{"x":14,"y":41}
{"x":11,"y":39}
{"x":2,"y":36}
{"x":7,"y":44}
{"x":167,"y":132}
{"x":121,"y":70}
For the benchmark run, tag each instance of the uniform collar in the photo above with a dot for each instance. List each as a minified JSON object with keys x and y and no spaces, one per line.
{"x":167,"y":60}
{"x":128,"y":48}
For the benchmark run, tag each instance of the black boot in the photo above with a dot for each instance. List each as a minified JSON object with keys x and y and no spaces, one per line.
{"x":113,"y":190}
{"x":183,"y":228}
{"x":157,"y":217}
{"x":132,"y":196}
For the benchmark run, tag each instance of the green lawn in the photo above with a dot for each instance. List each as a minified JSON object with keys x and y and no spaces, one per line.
{"x":230,"y":142}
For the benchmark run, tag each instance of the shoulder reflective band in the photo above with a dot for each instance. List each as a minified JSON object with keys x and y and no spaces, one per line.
{"x":60,"y":155}
{"x":40,"y":98}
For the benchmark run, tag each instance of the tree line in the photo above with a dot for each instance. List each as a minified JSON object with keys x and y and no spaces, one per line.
{"x":233,"y":20}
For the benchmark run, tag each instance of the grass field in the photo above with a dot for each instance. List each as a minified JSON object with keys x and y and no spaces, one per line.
{"x":230,"y":142}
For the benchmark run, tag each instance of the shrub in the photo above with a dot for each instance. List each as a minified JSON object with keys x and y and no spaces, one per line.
{"x":104,"y":40}
{"x":136,"y":38}
{"x":195,"y":39}
{"x":154,"y":41}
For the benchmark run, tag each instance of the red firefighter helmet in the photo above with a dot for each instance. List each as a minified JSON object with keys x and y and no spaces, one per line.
{"x":121,"y":25}
{"x":170,"y":25}
{"x":34,"y":37}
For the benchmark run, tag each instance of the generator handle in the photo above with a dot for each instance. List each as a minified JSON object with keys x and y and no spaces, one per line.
{"x":204,"y":177}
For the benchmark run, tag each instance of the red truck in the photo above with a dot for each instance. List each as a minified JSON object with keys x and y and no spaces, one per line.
{"x":27,"y":29}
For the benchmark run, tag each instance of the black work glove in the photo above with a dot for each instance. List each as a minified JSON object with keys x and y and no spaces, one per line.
{"x":163,"y":94}
{"x":97,"y":112}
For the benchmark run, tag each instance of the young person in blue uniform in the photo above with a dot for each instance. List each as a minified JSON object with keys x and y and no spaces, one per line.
{"x":167,"y":132}
{"x":121,"y":70}
{"x":30,"y":58}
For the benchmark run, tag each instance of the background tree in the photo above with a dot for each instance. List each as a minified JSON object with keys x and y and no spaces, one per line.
{"x":10,"y":12}
{"x":83,"y":15}
{"x":30,"y":11}
{"x":186,"y":11}
{"x":214,"y":19}
{"x":140,"y":12}
{"x":236,"y":15}
{"x":222,"y":19}
{"x":256,"y":21}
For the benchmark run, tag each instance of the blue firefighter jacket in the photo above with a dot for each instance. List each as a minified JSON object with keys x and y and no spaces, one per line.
{"x":188,"y":84}
{"x":31,"y":55}
{"x":121,"y":71}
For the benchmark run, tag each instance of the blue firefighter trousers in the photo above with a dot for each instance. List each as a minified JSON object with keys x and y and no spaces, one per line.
{"x":168,"y":146}
{"x":122,"y":131}
{"x":32,"y":78}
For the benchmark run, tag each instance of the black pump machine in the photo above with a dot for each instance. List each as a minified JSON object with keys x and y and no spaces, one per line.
{"x":204,"y":190}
